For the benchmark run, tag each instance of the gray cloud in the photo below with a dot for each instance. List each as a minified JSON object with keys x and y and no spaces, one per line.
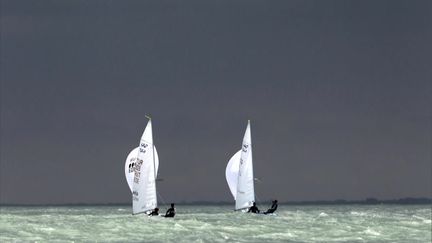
{"x":338,"y":93}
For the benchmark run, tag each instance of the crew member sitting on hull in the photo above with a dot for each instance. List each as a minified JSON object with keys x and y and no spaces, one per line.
{"x":272,"y":208}
{"x":154,"y":212}
{"x":170,"y":213}
{"x":253,"y":209}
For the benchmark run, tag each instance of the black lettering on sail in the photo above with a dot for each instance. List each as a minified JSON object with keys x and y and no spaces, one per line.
{"x":137,"y":174}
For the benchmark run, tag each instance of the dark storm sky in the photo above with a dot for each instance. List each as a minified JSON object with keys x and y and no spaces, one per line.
{"x":338,"y":93}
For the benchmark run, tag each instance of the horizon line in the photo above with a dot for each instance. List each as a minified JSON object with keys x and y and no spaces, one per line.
{"x":405,"y":200}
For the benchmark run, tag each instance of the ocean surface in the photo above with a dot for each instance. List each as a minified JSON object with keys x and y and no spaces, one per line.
{"x":199,"y":223}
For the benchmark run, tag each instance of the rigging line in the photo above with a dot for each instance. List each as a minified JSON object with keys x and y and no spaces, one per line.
{"x":258,"y":201}
{"x":161,"y":198}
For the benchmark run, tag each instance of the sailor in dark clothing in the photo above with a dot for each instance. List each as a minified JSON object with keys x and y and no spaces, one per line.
{"x":170,"y":213}
{"x":253,"y":209}
{"x":155,"y":212}
{"x":272,"y":208}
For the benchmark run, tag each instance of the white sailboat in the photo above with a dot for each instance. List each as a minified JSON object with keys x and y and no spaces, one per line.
{"x":141,"y":169}
{"x":239,"y":174}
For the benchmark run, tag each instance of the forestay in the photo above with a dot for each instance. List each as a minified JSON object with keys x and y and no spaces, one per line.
{"x":144,"y":183}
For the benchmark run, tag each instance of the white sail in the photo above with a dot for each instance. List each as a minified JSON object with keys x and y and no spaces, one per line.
{"x":231,"y":173}
{"x":241,"y":180}
{"x":144,"y":184}
{"x":130,"y":165}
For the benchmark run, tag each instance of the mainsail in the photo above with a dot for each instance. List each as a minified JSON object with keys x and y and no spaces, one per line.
{"x":144,"y":182}
{"x":239,"y":174}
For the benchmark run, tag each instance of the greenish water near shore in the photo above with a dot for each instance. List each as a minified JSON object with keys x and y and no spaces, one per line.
{"x":200,"y":223}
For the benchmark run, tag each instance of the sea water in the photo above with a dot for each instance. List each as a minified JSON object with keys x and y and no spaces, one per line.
{"x":200,"y":223}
